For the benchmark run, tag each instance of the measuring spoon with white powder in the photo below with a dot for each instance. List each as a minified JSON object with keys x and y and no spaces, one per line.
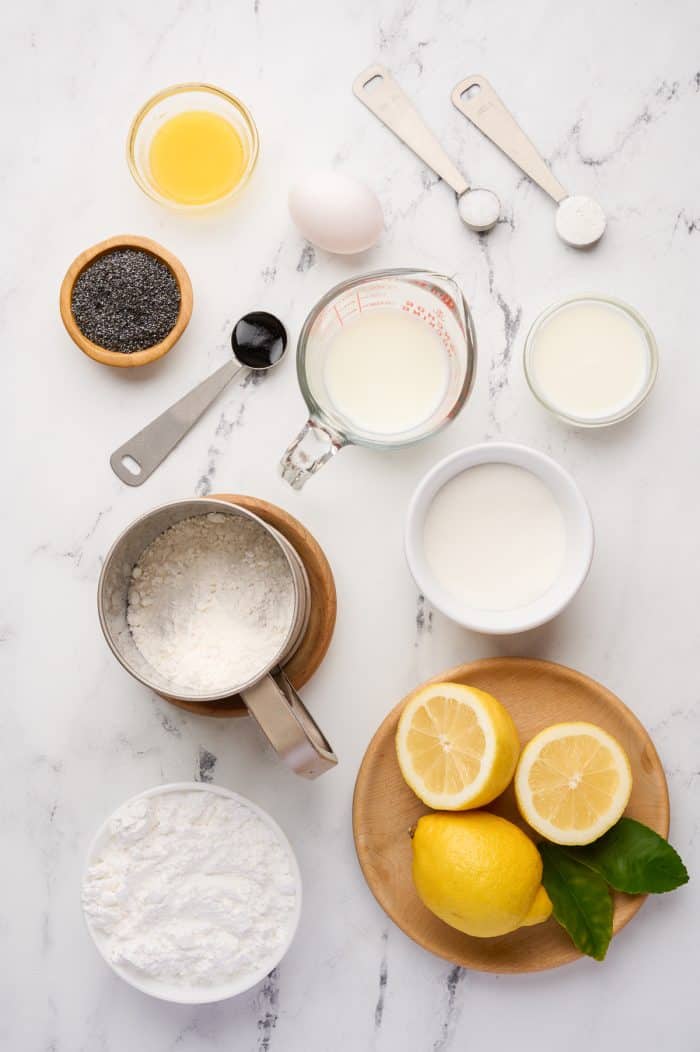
{"x":580,"y":221}
{"x":479,"y":209}
{"x":258,"y":341}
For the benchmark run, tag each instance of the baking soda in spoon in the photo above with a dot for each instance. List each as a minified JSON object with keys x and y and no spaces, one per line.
{"x":580,"y":221}
{"x":479,"y":209}
{"x":375,"y":87}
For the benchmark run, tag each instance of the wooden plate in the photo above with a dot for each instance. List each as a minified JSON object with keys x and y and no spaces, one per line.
{"x":117,"y":358}
{"x":537,"y":694}
{"x":319,"y":632}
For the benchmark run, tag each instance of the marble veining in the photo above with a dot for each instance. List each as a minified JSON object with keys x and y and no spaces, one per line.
{"x":383,"y":982}
{"x":206,"y":765}
{"x":453,"y":1009}
{"x":269,"y":1002}
{"x":610,"y":94}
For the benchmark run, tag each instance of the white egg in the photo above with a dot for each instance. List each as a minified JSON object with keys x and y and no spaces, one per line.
{"x":336,"y":212}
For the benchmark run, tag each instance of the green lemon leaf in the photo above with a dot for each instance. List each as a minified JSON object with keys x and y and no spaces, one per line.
{"x":633,"y":858}
{"x":580,"y":898}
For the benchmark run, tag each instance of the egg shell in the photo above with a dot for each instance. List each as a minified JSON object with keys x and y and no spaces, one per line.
{"x":336,"y":212}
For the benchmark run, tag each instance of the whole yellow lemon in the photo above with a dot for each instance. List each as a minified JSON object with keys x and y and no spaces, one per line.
{"x":479,"y":873}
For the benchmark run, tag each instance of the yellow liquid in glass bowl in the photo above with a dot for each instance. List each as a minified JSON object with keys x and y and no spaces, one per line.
{"x":196,"y":158}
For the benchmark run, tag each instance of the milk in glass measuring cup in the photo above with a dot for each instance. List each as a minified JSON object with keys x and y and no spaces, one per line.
{"x":383,"y":361}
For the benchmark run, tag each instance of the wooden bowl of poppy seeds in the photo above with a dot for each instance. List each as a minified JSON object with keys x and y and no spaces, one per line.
{"x":126,"y":301}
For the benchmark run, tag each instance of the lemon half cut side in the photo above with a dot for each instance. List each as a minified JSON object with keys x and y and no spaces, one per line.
{"x":457,"y":746}
{"x":573,"y":782}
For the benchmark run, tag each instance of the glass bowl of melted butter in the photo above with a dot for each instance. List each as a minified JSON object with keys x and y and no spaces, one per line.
{"x":192,"y":146}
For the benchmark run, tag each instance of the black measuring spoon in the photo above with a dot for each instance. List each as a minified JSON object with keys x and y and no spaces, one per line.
{"x":258,"y":341}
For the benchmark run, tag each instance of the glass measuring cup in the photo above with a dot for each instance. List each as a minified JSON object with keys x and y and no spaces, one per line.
{"x":433,"y":299}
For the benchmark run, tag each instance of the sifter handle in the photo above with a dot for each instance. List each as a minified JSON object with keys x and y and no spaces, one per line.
{"x":289,"y":726}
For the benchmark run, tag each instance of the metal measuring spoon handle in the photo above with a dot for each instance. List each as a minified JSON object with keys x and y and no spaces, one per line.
{"x":387,"y":101}
{"x":379,"y":92}
{"x":486,"y":110}
{"x":149,"y":447}
{"x":580,"y":221}
{"x":259,"y":341}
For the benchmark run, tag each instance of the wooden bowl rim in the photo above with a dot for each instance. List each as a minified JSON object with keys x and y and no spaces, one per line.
{"x":148,"y":354}
{"x":626,"y":906}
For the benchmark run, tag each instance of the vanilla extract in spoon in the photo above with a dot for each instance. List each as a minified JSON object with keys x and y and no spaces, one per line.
{"x":259,"y":340}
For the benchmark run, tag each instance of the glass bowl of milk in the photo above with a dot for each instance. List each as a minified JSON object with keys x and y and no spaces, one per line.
{"x":591,"y":360}
{"x":383,"y":361}
{"x":499,"y":538}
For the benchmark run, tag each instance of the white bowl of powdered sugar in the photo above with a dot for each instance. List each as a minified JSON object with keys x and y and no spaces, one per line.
{"x":191,"y":893}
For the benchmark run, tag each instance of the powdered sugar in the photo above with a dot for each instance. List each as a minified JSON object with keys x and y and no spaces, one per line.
{"x":210,"y":602}
{"x":191,"y":887}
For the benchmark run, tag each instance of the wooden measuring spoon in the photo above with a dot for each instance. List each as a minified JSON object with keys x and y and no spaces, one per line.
{"x":580,"y":221}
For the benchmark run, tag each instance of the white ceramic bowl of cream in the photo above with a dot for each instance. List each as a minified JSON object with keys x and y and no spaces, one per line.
{"x":577,"y":547}
{"x":183,"y":993}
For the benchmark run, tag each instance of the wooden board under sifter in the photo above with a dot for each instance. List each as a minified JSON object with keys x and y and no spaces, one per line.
{"x":537,"y":694}
{"x":316,"y":640}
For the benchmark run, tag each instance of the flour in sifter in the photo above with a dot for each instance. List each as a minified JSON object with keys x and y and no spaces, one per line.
{"x":211,"y":601}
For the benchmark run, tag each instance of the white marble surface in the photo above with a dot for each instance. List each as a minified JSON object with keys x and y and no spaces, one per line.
{"x":610,"y":93}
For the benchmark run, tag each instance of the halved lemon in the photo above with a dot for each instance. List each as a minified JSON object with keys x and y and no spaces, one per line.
{"x":573,"y":782}
{"x":457,"y":746}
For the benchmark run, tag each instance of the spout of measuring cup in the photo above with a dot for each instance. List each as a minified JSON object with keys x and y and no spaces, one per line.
{"x":311,"y":449}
